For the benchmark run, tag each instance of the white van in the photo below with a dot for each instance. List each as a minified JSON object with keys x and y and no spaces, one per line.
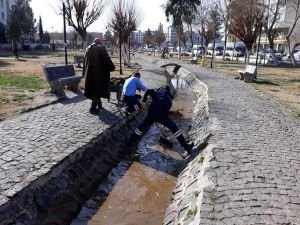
{"x":219,"y":48}
{"x":235,"y":49}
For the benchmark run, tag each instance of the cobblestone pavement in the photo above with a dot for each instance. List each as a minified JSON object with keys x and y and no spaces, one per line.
{"x":255,"y":166}
{"x":31,"y":144}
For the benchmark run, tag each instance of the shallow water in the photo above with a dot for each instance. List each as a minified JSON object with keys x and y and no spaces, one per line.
{"x":138,"y":190}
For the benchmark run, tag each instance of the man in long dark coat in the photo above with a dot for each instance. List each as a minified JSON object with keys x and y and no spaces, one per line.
{"x":96,"y":69}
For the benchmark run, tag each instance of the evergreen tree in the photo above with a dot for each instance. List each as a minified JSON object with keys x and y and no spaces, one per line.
{"x":41,"y":31}
{"x":21,"y":20}
{"x":46,"y":38}
{"x":148,"y":38}
{"x":13,"y":28}
{"x":2,"y":33}
{"x":160,"y":36}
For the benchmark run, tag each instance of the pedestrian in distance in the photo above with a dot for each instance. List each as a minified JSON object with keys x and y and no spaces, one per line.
{"x":158,"y":112}
{"x":130,"y":96}
{"x":96,"y":69}
{"x":14,"y":46}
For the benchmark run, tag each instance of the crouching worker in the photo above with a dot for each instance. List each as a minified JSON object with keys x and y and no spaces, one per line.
{"x":158,"y":112}
{"x":130,"y":97}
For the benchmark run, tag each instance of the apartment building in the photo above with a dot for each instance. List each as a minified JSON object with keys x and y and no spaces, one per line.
{"x":5,"y":6}
{"x":284,"y":23}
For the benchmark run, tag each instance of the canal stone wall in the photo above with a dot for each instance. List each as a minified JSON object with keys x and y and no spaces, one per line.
{"x":191,"y":183}
{"x":54,"y":195}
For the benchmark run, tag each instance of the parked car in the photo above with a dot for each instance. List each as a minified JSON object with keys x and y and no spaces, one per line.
{"x":218,"y":50}
{"x":236,"y":52}
{"x":199,"y":52}
{"x":296,"y":56}
{"x":268,"y":55}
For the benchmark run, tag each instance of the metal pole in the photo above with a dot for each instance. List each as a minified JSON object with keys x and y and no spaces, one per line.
{"x":129,"y":47}
{"x":120,"y":52}
{"x":212,"y":57}
{"x":65,"y":34}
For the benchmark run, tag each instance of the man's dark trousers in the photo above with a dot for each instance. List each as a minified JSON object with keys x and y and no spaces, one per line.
{"x":133,"y":103}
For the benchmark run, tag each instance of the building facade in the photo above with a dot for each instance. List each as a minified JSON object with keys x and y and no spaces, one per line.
{"x":138,"y":37}
{"x":282,"y":26}
{"x":5,"y":7}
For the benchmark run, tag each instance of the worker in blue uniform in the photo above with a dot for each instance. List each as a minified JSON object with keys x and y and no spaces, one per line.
{"x":158,"y":112}
{"x":130,"y":97}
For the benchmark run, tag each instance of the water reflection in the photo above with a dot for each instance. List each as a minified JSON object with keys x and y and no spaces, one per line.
{"x":179,"y":83}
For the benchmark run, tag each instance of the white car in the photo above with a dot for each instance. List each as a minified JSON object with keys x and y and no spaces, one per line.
{"x":231,"y":51}
{"x":268,"y":55}
{"x":297,"y":55}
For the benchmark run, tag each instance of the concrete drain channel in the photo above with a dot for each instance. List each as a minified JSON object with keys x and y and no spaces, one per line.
{"x":138,"y":189}
{"x":123,"y":184}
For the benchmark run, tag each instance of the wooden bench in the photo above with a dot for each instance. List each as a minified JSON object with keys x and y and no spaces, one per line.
{"x":249,"y":74}
{"x":61,"y":76}
{"x":194,"y":60}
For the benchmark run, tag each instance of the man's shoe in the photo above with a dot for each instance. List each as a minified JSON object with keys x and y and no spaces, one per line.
{"x":184,"y":155}
{"x":94,"y":111}
{"x":100,"y":106}
{"x":125,"y":110}
{"x":190,"y":147}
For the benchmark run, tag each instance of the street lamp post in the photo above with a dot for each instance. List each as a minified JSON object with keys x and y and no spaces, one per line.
{"x":120,"y":51}
{"x":214,"y":45}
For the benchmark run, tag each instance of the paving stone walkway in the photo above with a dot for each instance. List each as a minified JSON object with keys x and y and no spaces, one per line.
{"x":255,"y":167}
{"x":31,"y":144}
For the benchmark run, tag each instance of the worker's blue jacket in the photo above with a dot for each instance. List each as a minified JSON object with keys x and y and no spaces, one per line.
{"x":161,"y":102}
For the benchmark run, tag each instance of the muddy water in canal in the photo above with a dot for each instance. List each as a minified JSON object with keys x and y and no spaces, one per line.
{"x":138,"y":190}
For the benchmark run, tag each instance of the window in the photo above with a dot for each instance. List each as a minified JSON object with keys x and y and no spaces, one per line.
{"x":3,"y":16}
{"x":1,"y":4}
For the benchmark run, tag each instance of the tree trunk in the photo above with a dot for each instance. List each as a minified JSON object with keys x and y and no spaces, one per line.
{"x":225,"y":44}
{"x":291,"y":52}
{"x":248,"y":56}
{"x":125,"y":53}
{"x":179,"y":45}
{"x":275,"y":60}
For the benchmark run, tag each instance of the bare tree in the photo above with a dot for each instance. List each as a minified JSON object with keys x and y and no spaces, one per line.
{"x":272,"y":15}
{"x":245,"y":21}
{"x":224,"y":12}
{"x":125,"y":19}
{"x":81,"y":14}
{"x":209,"y":21}
{"x":148,"y":38}
{"x":189,"y":21}
{"x":293,"y":36}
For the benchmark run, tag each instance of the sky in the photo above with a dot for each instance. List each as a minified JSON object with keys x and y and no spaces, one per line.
{"x":150,"y":10}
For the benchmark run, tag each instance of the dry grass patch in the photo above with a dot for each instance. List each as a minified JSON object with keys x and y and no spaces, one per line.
{"x":283,"y":83}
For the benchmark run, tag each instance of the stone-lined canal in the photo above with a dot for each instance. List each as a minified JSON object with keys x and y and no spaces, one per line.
{"x":138,"y":189}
